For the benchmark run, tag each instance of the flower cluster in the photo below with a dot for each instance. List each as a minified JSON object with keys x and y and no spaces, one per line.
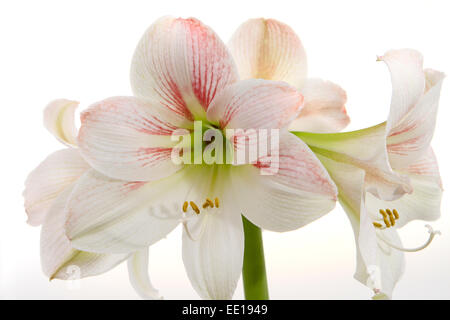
{"x":215,"y":134}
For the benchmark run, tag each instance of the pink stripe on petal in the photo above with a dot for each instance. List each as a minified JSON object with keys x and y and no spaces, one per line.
{"x":130,"y":139}
{"x":183,"y":64}
{"x":256,"y":104}
{"x":294,"y":191}
{"x":298,"y":167}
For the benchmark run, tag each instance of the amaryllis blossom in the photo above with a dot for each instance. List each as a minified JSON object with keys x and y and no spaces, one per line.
{"x":269,"y":49}
{"x":135,"y":194}
{"x":47,"y":189}
{"x":387,"y":175}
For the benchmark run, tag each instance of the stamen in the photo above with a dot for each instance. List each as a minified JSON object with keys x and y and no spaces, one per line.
{"x":426,"y":244}
{"x":387,"y":223}
{"x":391,"y":217}
{"x":209,"y":201}
{"x":377,"y":225}
{"x":395,"y":214}
{"x":216,"y":201}
{"x":184,"y":220}
{"x":194,"y":207}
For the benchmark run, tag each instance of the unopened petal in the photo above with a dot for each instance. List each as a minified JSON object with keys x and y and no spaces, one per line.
{"x":59,"y":120}
{"x":138,"y":275}
{"x":269,"y":49}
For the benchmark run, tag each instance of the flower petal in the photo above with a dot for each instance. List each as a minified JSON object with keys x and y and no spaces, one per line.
{"x":408,"y":83}
{"x":255,"y":104}
{"x":410,"y":138}
{"x":139,"y":278}
{"x":386,"y":265}
{"x":298,"y":191}
{"x":324,"y":108}
{"x":378,"y":266}
{"x":59,"y":120}
{"x":213,"y":259}
{"x":268,"y":49}
{"x":114,"y":216}
{"x":59,"y":260}
{"x":425,"y":168}
{"x":183,"y":64}
{"x":424,"y":203}
{"x":130,"y":139}
{"x":48,"y":180}
{"x":346,"y":147}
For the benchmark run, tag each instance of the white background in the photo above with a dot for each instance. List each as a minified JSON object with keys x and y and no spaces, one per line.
{"x":81,"y":50}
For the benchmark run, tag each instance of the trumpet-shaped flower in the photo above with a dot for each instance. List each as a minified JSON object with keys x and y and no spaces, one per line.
{"x":268,"y":49}
{"x":47,"y":190}
{"x":388,"y":175}
{"x":135,"y":193}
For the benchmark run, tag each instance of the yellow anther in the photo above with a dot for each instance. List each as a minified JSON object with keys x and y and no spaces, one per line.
{"x":209,"y":201}
{"x":383,"y":213}
{"x":195,"y":208}
{"x":377,"y":225}
{"x":387,"y":223}
{"x":205,"y":205}
{"x":391,"y":217}
{"x":395,"y":214}
{"x":216,"y":201}
{"x":185,"y":206}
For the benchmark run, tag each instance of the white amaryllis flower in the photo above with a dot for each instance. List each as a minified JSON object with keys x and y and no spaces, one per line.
{"x":135,"y":194}
{"x":387,"y":175}
{"x":269,"y":49}
{"x":47,"y":189}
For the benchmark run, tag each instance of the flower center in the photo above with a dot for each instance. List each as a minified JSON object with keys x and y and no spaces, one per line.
{"x":208,"y":203}
{"x":194,"y":209}
{"x":205,"y":144}
{"x":388,"y":218}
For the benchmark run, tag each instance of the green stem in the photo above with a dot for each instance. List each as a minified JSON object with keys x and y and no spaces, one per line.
{"x":254,"y":269}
